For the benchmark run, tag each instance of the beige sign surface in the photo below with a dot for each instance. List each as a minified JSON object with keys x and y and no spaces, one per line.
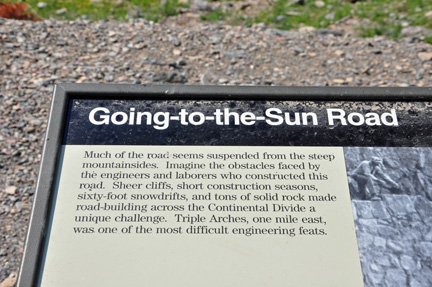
{"x":202,"y":216}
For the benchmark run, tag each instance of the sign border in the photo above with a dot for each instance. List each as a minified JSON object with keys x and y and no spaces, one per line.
{"x":63,"y":92}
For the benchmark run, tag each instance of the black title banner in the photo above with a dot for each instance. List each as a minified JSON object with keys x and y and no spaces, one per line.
{"x":250,"y":123}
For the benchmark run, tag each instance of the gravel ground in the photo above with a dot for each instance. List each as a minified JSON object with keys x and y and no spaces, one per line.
{"x":35,"y":55}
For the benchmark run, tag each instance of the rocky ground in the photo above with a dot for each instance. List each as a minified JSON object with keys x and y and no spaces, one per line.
{"x":182,"y":50}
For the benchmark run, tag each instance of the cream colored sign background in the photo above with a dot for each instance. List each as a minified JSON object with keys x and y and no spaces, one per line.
{"x":75,"y":259}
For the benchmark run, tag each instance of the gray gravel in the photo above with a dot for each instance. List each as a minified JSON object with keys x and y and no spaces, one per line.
{"x":35,"y":55}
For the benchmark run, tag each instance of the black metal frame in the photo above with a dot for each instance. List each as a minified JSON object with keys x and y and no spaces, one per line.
{"x":63,"y":93}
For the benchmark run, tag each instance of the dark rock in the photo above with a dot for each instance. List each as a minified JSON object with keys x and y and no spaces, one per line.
{"x":298,"y":50}
{"x":171,"y":77}
{"x":325,"y":31}
{"x":173,"y":39}
{"x":181,"y":62}
{"x":174,"y":77}
{"x":235,"y":54}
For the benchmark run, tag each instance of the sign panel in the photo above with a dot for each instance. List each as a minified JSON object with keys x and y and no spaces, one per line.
{"x":219,"y":186}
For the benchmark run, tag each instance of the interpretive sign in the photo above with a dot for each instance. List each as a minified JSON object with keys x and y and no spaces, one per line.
{"x":219,"y":186}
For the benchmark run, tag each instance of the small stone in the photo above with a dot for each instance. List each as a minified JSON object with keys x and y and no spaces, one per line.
{"x":419,"y":75}
{"x":41,"y":5}
{"x":140,"y":46}
{"x":425,"y":249}
{"x":408,"y":263}
{"x":61,"y":11}
{"x":383,"y":261}
{"x":405,"y":24}
{"x":297,"y":50}
{"x":30,"y":191}
{"x":326,"y":31}
{"x":379,"y":241}
{"x":415,"y":39}
{"x":395,"y":246}
{"x":10,"y":280}
{"x":38,"y":82}
{"x":287,"y":34}
{"x":223,"y":81}
{"x":280,"y":18}
{"x":425,"y":56}
{"x":215,"y":39}
{"x":330,"y":16}
{"x":201,"y":5}
{"x":319,"y":4}
{"x":306,"y":29}
{"x":177,"y":52}
{"x":395,"y":277}
{"x":339,"y":53}
{"x":174,"y":77}
{"x":292,"y":13}
{"x":376,"y":277}
{"x":173,"y":39}
{"x":412,"y":31}
{"x":181,"y":62}
{"x":260,"y":26}
{"x":428,"y":14}
{"x":10,"y":189}
{"x":159,"y":77}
